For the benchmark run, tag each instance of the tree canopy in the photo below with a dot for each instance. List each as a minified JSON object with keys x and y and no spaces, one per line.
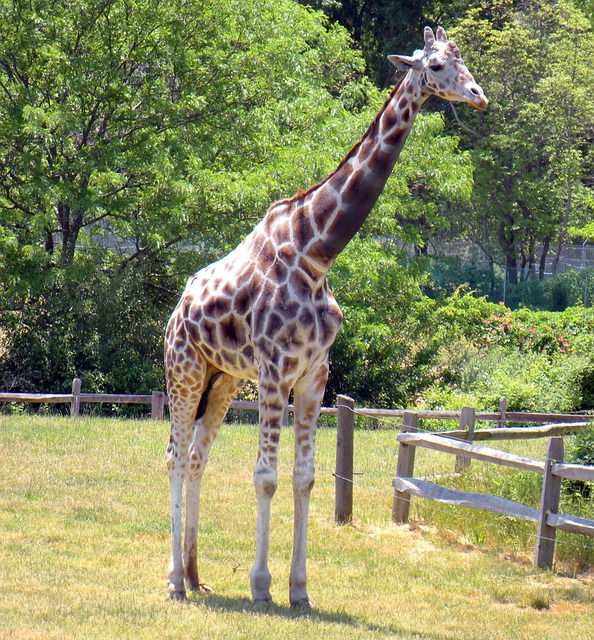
{"x":113,"y":113}
{"x":131,"y":130}
{"x":140,"y":140}
{"x":532,"y":149}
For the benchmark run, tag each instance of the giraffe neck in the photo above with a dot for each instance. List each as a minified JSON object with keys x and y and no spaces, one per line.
{"x":342,"y":201}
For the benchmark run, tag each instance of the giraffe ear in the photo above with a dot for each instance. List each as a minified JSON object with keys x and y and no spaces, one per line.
{"x":403,"y":63}
{"x":441,"y":35}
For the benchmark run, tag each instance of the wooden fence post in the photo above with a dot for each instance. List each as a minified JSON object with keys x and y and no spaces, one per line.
{"x":75,"y":402}
{"x":549,"y":503}
{"x":157,"y":405}
{"x":502,"y":412}
{"x":343,"y":477}
{"x":405,"y":467}
{"x":467,"y":418}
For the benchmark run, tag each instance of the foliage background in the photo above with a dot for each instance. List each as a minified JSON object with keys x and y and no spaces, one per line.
{"x":141,"y":141}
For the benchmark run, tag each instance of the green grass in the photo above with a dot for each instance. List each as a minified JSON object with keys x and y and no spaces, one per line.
{"x":84,"y":548}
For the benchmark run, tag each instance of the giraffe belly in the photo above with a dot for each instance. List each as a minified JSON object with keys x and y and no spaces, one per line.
{"x":225,"y":344}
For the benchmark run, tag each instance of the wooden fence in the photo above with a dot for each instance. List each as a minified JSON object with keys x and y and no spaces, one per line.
{"x":157,"y":399}
{"x":554,"y":424}
{"x":457,"y":442}
{"x":552,"y":469}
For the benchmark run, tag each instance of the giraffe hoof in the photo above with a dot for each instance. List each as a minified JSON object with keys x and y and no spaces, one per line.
{"x":261,"y":603}
{"x":177,"y":596}
{"x":301,"y":605}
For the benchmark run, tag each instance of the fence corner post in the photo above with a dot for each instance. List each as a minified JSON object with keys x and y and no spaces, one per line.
{"x":343,"y":476}
{"x":405,"y":467}
{"x":549,"y":503}
{"x":157,"y":405}
{"x":467,"y":420}
{"x":502,"y":412}
{"x":75,"y":401}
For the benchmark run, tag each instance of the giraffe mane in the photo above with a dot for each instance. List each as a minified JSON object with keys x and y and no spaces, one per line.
{"x":301,"y":194}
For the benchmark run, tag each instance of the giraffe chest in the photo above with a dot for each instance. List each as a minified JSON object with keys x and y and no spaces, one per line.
{"x":239,"y":320}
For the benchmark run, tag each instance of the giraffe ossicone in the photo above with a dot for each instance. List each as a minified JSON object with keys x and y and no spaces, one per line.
{"x":265,"y":312}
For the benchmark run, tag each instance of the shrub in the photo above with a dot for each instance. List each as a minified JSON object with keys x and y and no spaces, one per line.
{"x":104,"y":327}
{"x":581,"y":447}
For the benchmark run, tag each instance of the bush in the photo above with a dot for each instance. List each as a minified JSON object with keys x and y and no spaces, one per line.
{"x":541,"y":361}
{"x":102,"y":326}
{"x":581,"y":447}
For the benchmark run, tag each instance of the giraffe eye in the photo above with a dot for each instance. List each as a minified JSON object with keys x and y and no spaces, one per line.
{"x":436,"y":67}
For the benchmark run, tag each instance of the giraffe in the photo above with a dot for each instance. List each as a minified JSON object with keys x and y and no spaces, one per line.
{"x":265,"y":313}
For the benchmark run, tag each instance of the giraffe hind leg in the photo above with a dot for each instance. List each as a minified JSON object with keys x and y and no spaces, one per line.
{"x":308,"y":399}
{"x":214,"y":404}
{"x":192,"y":578}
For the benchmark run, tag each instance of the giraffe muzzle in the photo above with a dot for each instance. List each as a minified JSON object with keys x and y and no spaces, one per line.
{"x":476,"y":97}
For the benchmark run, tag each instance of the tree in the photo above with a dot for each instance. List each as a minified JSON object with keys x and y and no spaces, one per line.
{"x":383,"y":27}
{"x":113,"y":112}
{"x":532,"y":151}
{"x":130,"y":128}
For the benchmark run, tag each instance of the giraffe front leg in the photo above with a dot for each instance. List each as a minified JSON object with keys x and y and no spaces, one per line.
{"x":175,"y":578}
{"x":220,"y":391}
{"x":265,"y":483}
{"x":303,"y":480}
{"x":272,"y":404}
{"x":308,"y":398}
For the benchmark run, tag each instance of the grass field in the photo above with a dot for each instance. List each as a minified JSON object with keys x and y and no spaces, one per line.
{"x":84,"y":548}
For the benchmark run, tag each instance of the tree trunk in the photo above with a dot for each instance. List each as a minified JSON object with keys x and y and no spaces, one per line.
{"x":507,"y":243}
{"x":70,"y":226}
{"x":563,"y":228}
{"x":543,"y":257}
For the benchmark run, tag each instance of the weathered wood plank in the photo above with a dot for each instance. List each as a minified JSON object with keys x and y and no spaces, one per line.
{"x":405,"y":466}
{"x":481,"y":501}
{"x":573,"y":471}
{"x":115,"y":398}
{"x":449,"y":445}
{"x":157,"y":405}
{"x":573,"y":524}
{"x":549,"y":503}
{"x":510,"y":416}
{"x":75,"y":402}
{"x":36,"y":398}
{"x":519,"y":433}
{"x":435,"y":415}
{"x":543,"y":418}
{"x":343,"y":478}
{"x":466,"y":423}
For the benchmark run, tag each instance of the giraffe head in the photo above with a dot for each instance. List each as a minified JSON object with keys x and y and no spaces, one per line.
{"x":441,"y":70}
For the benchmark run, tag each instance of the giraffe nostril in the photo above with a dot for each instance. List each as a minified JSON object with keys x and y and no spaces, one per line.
{"x":474,"y":91}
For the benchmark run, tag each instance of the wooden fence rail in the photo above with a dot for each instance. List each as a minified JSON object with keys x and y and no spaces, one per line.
{"x":552,"y":469}
{"x":555,"y":424}
{"x":158,"y":400}
{"x":459,"y":440}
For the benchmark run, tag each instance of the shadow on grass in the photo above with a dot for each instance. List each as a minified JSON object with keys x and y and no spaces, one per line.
{"x":220,"y":603}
